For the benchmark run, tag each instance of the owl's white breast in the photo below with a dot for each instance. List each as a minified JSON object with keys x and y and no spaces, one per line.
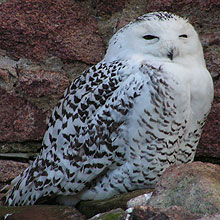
{"x":191,"y":76}
{"x":196,"y":78}
{"x":192,"y":83}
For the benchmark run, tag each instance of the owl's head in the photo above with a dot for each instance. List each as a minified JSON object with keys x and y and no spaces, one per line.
{"x":156,"y":36}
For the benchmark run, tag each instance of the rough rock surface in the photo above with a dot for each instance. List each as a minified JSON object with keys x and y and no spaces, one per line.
{"x":194,"y":186}
{"x":213,"y":217}
{"x":10,"y":169}
{"x":38,"y":29}
{"x":20,"y":119}
{"x":40,"y":213}
{"x":91,"y":208}
{"x":148,"y":212}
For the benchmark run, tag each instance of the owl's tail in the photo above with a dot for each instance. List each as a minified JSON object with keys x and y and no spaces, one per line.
{"x":6,"y":189}
{"x":16,"y":193}
{"x":26,"y":189}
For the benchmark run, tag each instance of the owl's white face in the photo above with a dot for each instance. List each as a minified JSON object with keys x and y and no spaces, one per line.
{"x":164,"y":39}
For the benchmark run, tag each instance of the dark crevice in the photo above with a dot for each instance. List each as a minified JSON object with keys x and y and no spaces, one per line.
{"x":206,"y":159}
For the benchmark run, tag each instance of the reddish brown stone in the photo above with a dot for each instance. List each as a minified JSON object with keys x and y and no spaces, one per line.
{"x":209,"y":145}
{"x":41,"y":83}
{"x":107,"y":7}
{"x":41,"y":212}
{"x":10,"y":169}
{"x":172,"y":213}
{"x":213,"y":61}
{"x":213,"y":217}
{"x":38,"y":29}
{"x":172,"y":5}
{"x":209,"y":39}
{"x":193,"y":186}
{"x":20,"y":120}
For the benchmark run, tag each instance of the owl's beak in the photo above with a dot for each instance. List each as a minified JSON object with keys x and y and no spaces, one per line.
{"x":170,"y":54}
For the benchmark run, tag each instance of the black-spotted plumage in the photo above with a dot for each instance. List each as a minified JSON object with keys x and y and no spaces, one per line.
{"x":121,"y":123}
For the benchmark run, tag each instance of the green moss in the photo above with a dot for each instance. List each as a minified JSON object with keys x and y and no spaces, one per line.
{"x":112,"y":216}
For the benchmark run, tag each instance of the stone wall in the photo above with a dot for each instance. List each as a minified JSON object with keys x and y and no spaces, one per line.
{"x":45,"y":44}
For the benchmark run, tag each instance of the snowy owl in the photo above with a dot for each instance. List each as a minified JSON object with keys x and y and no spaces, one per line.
{"x":125,"y":120}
